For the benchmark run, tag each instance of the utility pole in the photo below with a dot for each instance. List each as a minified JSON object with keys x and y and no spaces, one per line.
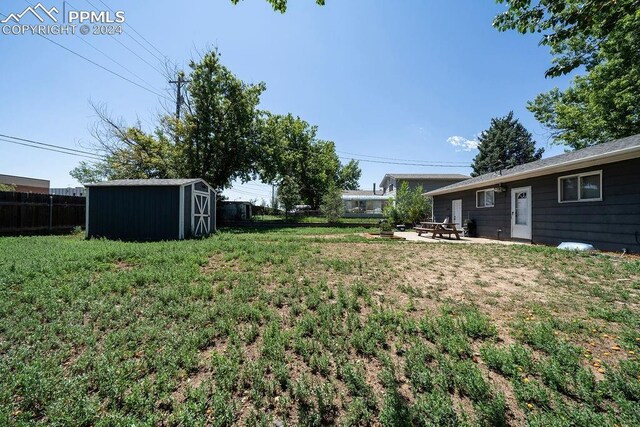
{"x":179,"y":98}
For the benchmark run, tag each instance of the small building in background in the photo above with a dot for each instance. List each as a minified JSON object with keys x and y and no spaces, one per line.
{"x":364,"y":203}
{"x":236,"y":210}
{"x":150,"y":209}
{"x":23,"y":184}
{"x":69,"y":191}
{"x":429,"y":181}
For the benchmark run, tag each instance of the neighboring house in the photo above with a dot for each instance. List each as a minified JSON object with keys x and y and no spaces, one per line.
{"x":429,"y":181}
{"x":234,"y":210}
{"x":23,"y":184}
{"x":364,"y":203}
{"x":590,"y":195}
{"x":69,"y":191}
{"x":150,"y":209}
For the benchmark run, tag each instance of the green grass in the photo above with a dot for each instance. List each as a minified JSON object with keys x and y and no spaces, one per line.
{"x":289,"y":326}
{"x":312,"y":219}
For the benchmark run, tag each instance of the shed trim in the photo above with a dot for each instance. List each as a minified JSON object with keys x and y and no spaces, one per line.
{"x":181,"y":214}
{"x":86,"y":217}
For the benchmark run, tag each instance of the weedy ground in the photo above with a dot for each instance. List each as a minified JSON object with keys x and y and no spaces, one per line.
{"x":315,"y":327}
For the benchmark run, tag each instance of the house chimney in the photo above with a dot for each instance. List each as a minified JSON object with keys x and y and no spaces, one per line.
{"x":374,"y":188}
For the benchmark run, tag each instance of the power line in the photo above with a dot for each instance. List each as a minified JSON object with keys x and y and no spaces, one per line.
{"x":396,"y":159}
{"x":134,"y":30}
{"x":49,"y":149}
{"x":49,"y":145}
{"x":105,"y":68}
{"x":435,"y":165}
{"x":98,"y":65}
{"x":109,"y":57}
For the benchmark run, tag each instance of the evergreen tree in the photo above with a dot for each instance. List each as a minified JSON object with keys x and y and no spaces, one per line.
{"x":506,"y":144}
{"x":332,"y":205}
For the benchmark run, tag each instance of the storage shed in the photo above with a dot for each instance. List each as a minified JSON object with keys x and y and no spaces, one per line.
{"x":150,"y":209}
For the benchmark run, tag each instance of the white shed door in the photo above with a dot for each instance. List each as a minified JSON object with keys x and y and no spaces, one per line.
{"x":201,"y":223}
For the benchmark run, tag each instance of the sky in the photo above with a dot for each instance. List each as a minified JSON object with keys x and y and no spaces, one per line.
{"x":412,"y":80}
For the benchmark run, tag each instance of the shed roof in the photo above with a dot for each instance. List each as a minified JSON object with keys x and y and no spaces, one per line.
{"x":609,"y":152}
{"x":145,"y":182}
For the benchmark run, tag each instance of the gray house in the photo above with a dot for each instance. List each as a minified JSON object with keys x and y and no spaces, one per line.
{"x":150,"y":209}
{"x":590,"y":195}
{"x":429,"y":181}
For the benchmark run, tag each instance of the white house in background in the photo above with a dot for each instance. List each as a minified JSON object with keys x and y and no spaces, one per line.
{"x":69,"y":191}
{"x":364,"y":203}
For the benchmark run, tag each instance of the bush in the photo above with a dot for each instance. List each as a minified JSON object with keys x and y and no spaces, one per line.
{"x":409,"y":206}
{"x":332,"y":205}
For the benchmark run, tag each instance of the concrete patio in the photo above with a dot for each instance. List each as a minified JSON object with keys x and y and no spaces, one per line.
{"x":413,"y":237}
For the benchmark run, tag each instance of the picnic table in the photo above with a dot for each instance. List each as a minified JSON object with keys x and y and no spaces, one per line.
{"x":439,"y":228}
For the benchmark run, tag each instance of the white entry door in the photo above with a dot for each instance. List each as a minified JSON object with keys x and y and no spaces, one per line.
{"x":201,"y":219}
{"x":456,"y":212}
{"x":521,"y":213}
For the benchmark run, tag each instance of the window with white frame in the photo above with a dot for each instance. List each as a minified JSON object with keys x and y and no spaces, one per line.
{"x":485,"y":198}
{"x":584,"y":187}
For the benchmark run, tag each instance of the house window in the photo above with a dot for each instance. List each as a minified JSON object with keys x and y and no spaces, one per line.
{"x":485,"y":198}
{"x":584,"y":187}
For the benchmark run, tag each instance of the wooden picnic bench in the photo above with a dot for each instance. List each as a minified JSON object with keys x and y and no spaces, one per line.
{"x":439,"y":228}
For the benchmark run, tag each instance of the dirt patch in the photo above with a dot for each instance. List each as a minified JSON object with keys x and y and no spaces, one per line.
{"x":124,"y":265}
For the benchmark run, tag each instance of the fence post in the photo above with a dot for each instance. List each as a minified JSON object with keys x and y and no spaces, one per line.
{"x":50,"y":213}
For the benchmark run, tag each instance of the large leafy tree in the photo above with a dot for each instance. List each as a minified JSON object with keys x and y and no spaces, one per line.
{"x":217,"y":137}
{"x":215,"y":140}
{"x":506,"y":144}
{"x":289,"y":148}
{"x":127,"y":152}
{"x":603,"y":39}
{"x":604,"y":104}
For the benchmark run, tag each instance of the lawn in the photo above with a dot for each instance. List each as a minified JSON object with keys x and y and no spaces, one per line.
{"x":315,"y":326}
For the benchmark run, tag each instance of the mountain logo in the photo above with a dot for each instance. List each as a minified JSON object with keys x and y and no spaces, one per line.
{"x":33,"y":10}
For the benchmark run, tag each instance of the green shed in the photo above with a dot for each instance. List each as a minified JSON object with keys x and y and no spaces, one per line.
{"x":150,"y":209}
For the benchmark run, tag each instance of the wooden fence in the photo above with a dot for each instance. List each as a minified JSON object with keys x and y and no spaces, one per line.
{"x":31,"y":213}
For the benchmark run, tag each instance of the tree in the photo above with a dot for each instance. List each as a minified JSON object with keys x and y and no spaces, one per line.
{"x":289,"y":147}
{"x":604,"y":38}
{"x":604,"y":104}
{"x":349,"y":176}
{"x":280,"y":5}
{"x":332,"y":205}
{"x":408,"y":207}
{"x":573,"y":29}
{"x":506,"y":144}
{"x":127,"y":152}
{"x":217,"y":139}
{"x":288,"y":194}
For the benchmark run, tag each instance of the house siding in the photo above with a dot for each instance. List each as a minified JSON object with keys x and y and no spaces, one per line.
{"x":610,"y":224}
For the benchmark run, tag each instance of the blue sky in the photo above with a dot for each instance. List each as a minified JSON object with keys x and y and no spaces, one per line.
{"x":381,"y":78}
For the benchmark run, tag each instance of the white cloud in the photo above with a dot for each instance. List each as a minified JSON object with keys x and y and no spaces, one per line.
{"x":463,"y":143}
